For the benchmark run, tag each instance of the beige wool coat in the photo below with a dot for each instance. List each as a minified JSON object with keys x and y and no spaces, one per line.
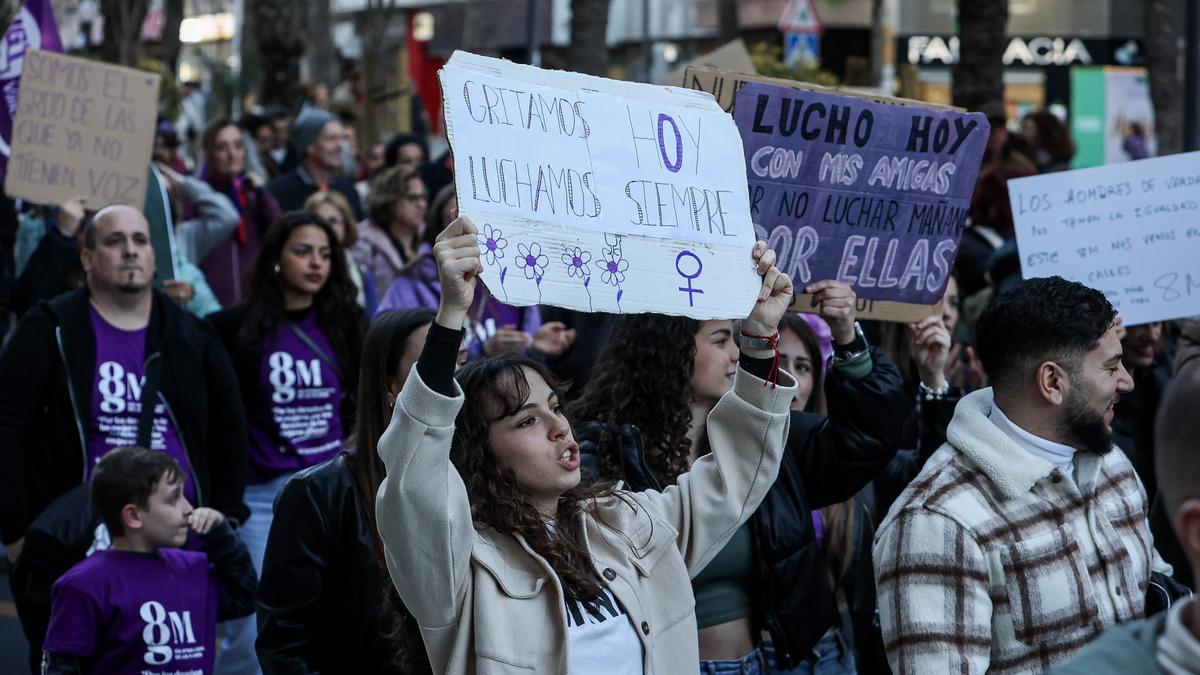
{"x":487,"y":604}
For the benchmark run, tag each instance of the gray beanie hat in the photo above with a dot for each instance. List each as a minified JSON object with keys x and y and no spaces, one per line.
{"x":308,"y":126}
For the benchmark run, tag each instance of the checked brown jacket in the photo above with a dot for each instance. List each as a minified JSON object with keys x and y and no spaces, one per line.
{"x":993,"y":561}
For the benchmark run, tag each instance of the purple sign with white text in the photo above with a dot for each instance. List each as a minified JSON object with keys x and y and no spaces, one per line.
{"x":32,"y":28}
{"x":872,"y":194}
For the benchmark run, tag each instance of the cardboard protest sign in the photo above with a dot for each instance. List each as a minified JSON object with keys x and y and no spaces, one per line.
{"x":724,"y":86}
{"x":732,"y":56}
{"x":82,"y":129}
{"x":1130,"y":230}
{"x":598,"y":195}
{"x":871,"y":194}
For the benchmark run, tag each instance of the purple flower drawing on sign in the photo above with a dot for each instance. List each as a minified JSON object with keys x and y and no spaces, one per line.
{"x":491,"y":248}
{"x":613,"y":265}
{"x":531,"y":259}
{"x":577,"y":261}
{"x":491,"y":243}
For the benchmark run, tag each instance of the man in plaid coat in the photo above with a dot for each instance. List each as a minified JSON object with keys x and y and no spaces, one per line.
{"x":1025,"y":535}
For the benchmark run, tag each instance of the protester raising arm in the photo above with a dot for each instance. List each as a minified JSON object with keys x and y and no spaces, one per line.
{"x":520,"y":546}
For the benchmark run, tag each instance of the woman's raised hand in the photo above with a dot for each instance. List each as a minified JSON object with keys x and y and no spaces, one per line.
{"x":457,"y":255}
{"x":835,"y":302}
{"x":929,"y":343}
{"x":773,"y":297}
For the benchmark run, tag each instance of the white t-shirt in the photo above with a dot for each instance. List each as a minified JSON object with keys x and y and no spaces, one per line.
{"x":602,"y":638}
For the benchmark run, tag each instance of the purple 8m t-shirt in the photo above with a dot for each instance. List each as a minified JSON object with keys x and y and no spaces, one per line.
{"x":144,"y":613}
{"x":116,"y":400}
{"x":294,"y":416}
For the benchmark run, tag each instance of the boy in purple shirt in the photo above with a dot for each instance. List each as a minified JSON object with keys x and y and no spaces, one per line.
{"x":145,"y":606}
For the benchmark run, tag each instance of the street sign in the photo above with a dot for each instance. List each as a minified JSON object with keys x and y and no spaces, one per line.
{"x":801,"y":47}
{"x":800,"y":17}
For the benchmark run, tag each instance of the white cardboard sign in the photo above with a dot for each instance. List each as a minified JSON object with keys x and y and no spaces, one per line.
{"x":1130,"y":230}
{"x":598,"y":195}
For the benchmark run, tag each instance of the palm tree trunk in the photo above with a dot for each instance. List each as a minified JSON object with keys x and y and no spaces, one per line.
{"x":123,"y":30}
{"x":1166,"y":82}
{"x":979,"y":73}
{"x":727,"y":20}
{"x":172,"y":18}
{"x":281,"y":45}
{"x":322,"y":54}
{"x":589,"y":47}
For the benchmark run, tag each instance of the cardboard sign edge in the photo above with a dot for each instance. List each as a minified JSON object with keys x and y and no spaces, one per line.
{"x":875,"y":310}
{"x":809,"y":86}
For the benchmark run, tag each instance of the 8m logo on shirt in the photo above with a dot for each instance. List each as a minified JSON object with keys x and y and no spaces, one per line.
{"x":286,"y":370}
{"x":164,"y":628}
{"x":120,"y":391}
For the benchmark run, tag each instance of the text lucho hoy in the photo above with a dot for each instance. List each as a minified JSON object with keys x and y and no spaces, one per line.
{"x":908,"y":201}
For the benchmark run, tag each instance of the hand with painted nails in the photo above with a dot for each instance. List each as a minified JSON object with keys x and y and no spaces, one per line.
{"x":836,"y":304}
{"x":774,"y":295}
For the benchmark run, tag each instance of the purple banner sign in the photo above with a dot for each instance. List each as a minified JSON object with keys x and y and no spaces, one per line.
{"x":872,"y":194}
{"x":32,"y":28}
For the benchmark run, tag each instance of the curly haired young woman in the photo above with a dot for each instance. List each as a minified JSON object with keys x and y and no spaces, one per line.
{"x":772,"y":576}
{"x":504,"y":560}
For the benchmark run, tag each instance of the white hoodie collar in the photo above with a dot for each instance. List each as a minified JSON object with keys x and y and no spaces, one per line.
{"x":1006,"y":463}
{"x":1061,"y":456}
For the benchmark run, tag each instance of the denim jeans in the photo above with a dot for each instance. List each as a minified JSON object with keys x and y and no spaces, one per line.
{"x":750,"y":664}
{"x":830,"y":656}
{"x":236,"y":654}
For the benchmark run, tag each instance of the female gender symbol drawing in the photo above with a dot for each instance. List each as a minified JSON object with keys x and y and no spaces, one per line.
{"x":699,"y":267}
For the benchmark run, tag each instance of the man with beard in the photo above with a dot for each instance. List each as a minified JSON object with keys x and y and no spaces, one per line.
{"x":1024,"y":536}
{"x":74,"y":381}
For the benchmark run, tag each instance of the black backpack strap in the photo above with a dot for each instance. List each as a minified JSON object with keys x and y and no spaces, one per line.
{"x":149,"y":399}
{"x":311,"y":344}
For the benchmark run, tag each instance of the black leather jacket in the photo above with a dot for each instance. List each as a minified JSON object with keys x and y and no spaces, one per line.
{"x":827,"y":461}
{"x":320,"y":594}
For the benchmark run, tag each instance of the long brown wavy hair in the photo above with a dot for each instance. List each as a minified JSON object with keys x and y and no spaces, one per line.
{"x":382,"y":350}
{"x":621,"y":393}
{"x":493,"y":389}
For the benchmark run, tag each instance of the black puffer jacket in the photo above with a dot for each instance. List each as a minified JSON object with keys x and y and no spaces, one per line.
{"x":827,"y":461}
{"x":321,"y":593}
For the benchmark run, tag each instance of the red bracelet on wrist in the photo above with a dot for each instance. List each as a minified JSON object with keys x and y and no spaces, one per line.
{"x":772,"y":343}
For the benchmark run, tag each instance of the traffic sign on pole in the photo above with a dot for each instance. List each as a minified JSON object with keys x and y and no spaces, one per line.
{"x":800,"y":16}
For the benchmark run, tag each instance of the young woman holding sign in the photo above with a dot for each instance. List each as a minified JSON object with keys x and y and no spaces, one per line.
{"x":773,"y":575}
{"x":505,"y":561}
